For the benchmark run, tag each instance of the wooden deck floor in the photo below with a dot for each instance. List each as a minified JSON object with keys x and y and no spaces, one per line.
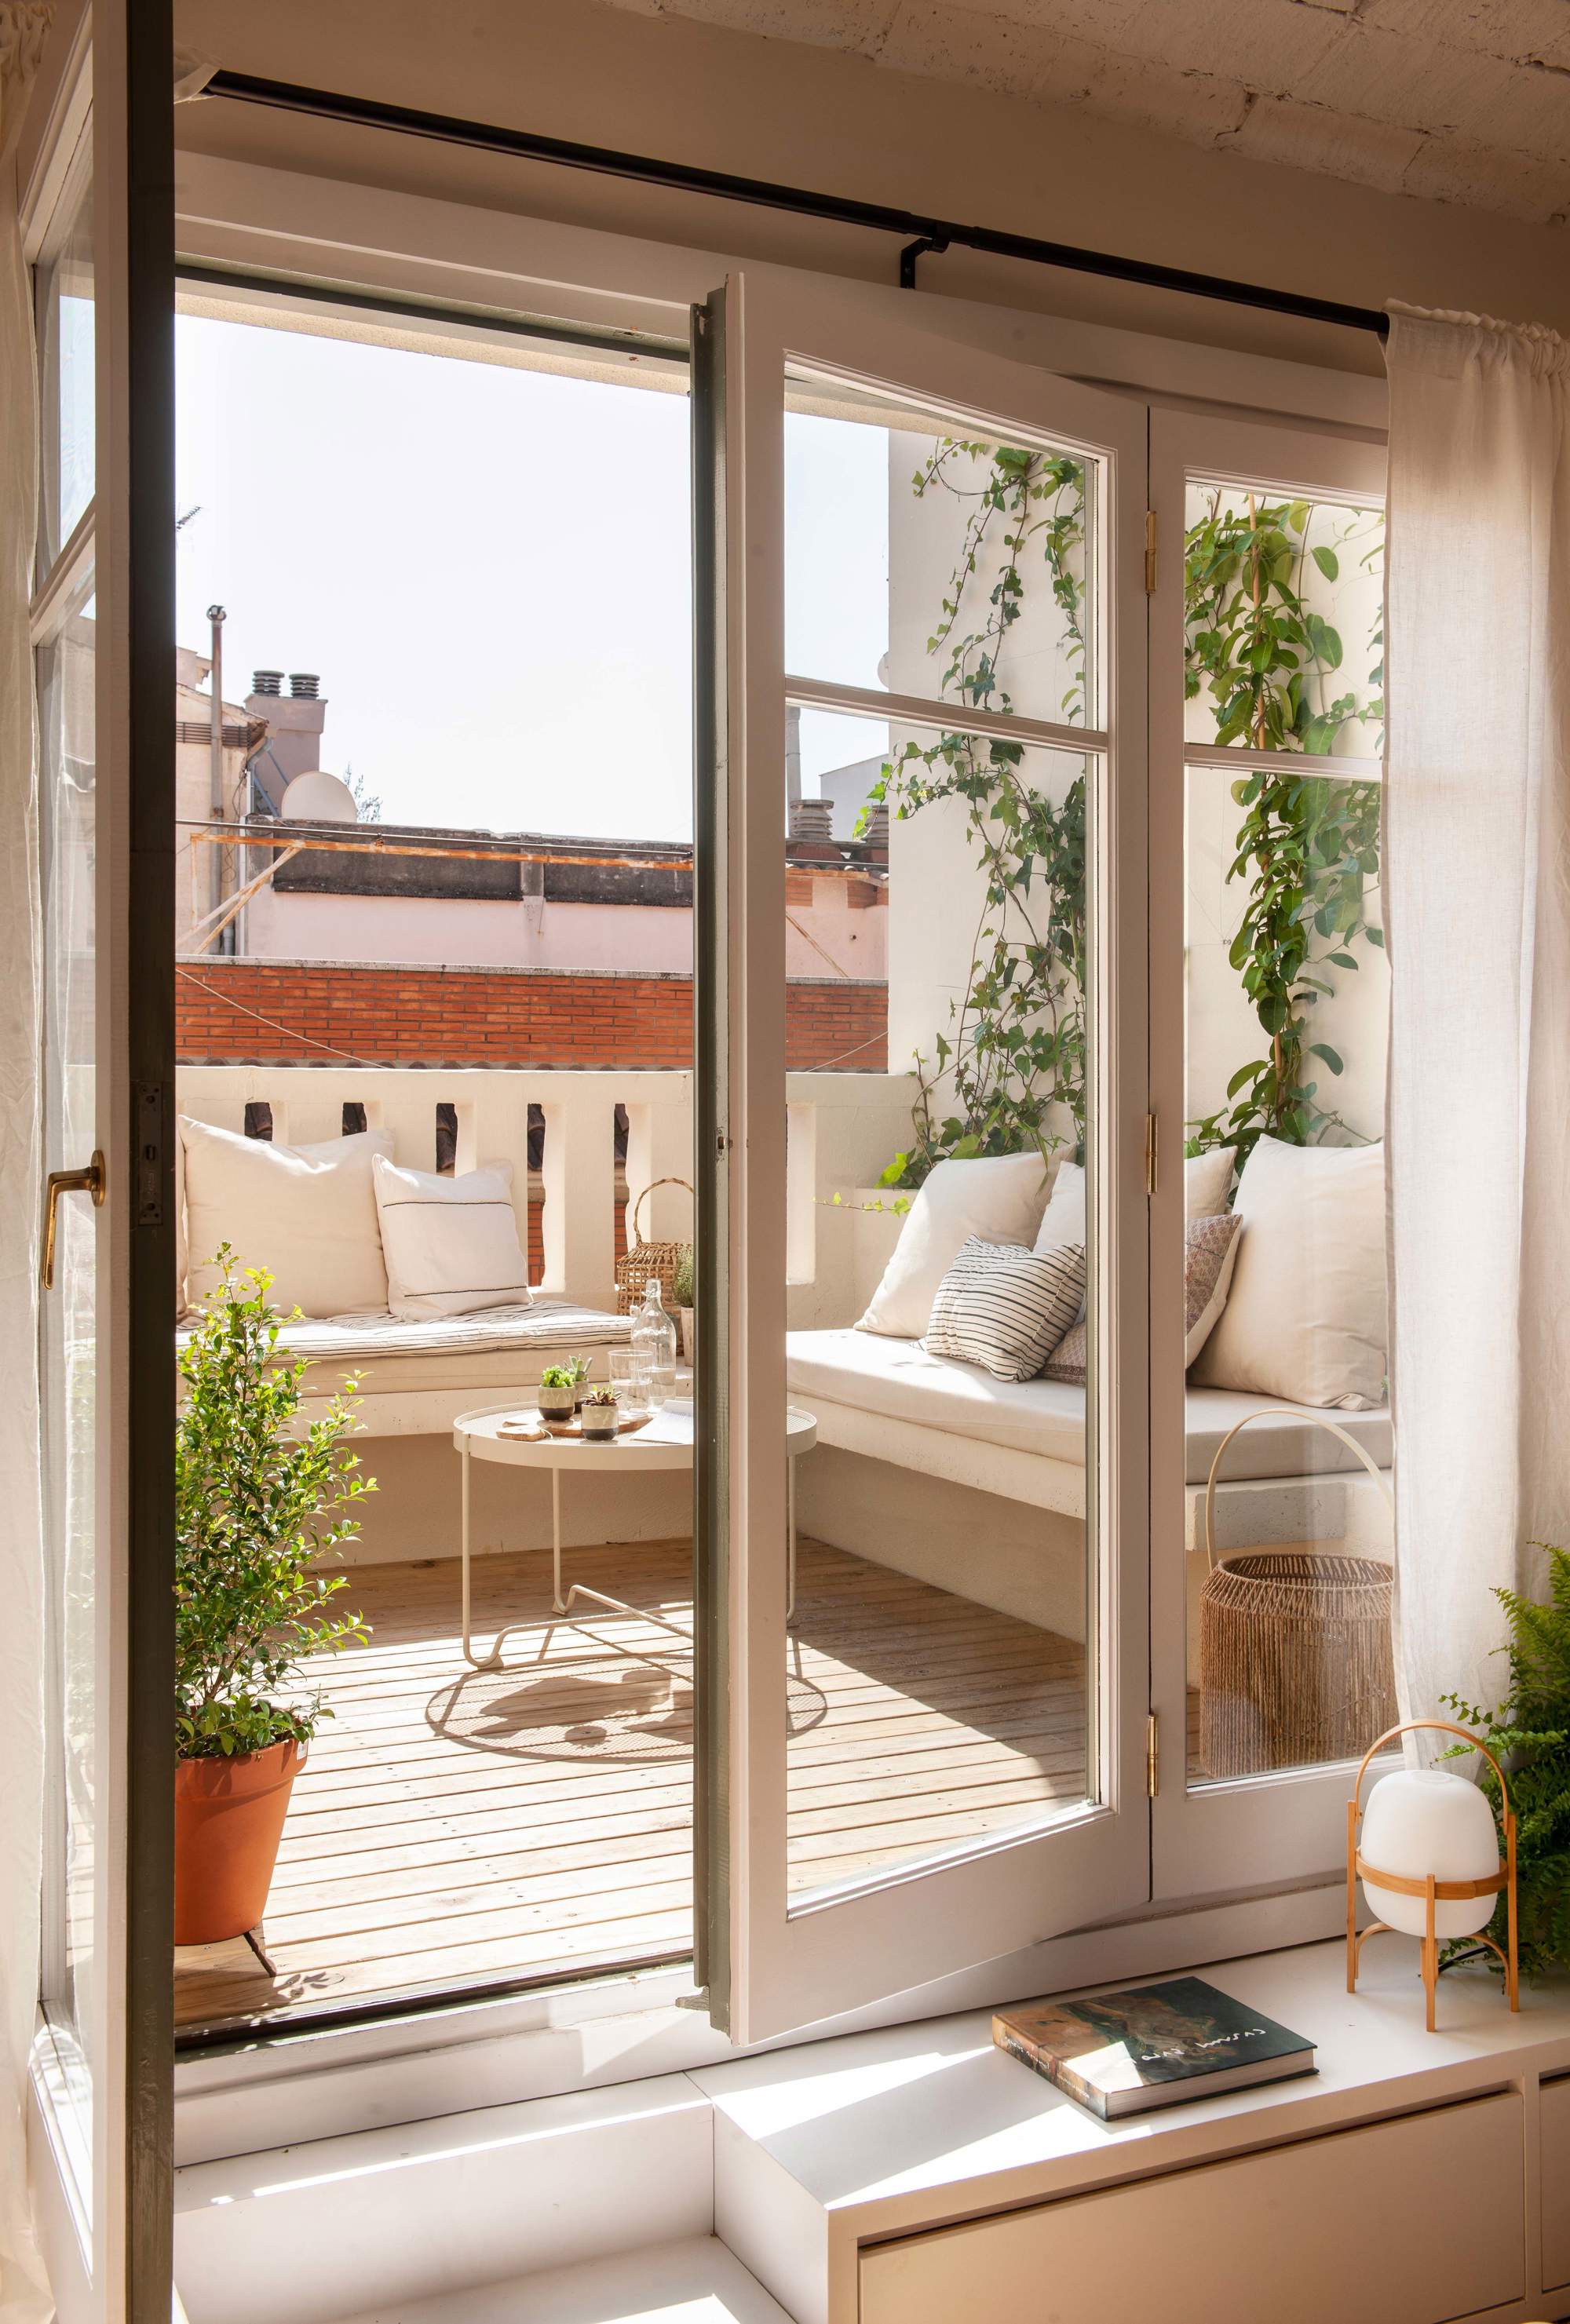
{"x":452,"y":1830}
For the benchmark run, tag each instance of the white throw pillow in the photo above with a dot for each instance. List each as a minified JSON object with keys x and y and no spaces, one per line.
{"x":1063,"y":1220}
{"x":307,"y":1213}
{"x":1207,"y":1182}
{"x":1304,"y":1317}
{"x":1000,"y":1198}
{"x":451,"y":1244}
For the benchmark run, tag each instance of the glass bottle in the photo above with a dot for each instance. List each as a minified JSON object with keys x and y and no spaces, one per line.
{"x":655,"y":1340}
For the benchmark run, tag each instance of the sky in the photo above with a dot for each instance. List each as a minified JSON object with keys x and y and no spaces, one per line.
{"x":489,"y":568}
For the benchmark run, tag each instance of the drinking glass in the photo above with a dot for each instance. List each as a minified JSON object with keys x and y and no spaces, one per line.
{"x":629,"y":1374}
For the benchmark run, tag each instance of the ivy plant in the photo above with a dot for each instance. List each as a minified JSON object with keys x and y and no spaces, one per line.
{"x":256,"y":1508}
{"x":1306,"y":848}
{"x":1010,"y":1072}
{"x":1530,"y":1732}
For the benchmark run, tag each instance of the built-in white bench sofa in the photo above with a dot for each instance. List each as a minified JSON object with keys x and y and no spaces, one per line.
{"x":951,"y":1429}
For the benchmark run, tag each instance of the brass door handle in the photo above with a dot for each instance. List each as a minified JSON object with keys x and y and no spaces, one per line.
{"x":89,"y":1181}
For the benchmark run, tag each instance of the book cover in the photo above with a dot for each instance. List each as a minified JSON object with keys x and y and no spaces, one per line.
{"x":1120,"y":2053}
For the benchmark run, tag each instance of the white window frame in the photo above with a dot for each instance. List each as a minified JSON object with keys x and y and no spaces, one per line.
{"x":286,"y":225}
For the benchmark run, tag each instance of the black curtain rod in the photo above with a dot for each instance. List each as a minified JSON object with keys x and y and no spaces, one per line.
{"x":920,"y":235}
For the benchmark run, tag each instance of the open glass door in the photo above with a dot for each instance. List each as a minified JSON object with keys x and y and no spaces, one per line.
{"x":97,"y":218}
{"x":921,"y":1551}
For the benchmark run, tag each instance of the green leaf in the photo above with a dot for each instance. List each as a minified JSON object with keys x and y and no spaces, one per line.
{"x":1331,"y":1058}
{"x":1327,"y":561}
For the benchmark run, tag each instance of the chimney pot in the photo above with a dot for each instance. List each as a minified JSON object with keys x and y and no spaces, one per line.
{"x":303,"y":684}
{"x":267,"y":681}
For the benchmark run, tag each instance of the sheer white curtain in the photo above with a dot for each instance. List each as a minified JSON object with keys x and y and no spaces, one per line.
{"x":22,"y":2299}
{"x":1477,"y":873}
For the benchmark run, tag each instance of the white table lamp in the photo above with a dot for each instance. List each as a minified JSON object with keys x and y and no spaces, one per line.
{"x":1429,"y":1860}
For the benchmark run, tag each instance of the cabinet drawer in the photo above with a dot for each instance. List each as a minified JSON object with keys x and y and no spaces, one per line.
{"x":1555,"y":2183}
{"x":1413,"y":2221}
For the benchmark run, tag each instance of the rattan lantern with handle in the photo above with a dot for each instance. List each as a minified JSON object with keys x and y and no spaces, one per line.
{"x":647,"y":1260}
{"x":1295,"y":1659}
{"x":1434,"y":1891}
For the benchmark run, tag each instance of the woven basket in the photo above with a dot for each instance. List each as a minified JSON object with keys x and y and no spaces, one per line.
{"x":1294,"y":1660}
{"x":644,"y":1260}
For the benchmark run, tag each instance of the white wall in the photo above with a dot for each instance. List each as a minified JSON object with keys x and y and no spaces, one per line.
{"x":474,"y":932}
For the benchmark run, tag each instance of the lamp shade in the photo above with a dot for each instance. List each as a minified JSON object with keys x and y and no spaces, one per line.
{"x":1418,"y":1821}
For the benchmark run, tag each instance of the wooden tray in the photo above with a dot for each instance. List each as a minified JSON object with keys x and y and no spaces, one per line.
{"x":535,"y":1430}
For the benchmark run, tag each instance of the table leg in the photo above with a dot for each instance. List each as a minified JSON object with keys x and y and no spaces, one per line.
{"x":468,"y":1652}
{"x":558,"y":1604}
{"x":790,"y":1523}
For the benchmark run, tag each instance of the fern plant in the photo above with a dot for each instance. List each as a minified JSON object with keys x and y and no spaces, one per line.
{"x":1531,"y":1732}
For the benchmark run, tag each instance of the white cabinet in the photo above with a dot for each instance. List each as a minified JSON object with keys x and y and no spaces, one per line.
{"x":1555,"y":2168}
{"x":1412,"y":2221}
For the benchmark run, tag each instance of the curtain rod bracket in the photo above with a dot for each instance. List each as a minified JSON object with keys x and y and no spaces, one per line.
{"x":936,"y":244}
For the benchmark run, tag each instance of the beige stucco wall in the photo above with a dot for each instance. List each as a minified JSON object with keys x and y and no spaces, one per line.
{"x":813,"y":117}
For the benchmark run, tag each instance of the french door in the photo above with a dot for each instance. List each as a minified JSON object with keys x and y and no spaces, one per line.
{"x":98,"y":217}
{"x":1270,"y":985}
{"x":920,"y":599}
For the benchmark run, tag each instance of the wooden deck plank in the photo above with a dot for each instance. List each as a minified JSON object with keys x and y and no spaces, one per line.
{"x":422,"y":1854}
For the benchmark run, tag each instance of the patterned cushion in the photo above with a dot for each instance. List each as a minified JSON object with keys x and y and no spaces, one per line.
{"x":1069,"y":1357}
{"x":1207,"y":1264}
{"x":1003,"y":1306}
{"x":1210,"y":1249}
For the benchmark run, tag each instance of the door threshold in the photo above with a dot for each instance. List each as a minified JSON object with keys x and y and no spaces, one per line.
{"x":248,"y":2030}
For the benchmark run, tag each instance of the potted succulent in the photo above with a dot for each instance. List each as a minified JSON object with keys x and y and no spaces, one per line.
{"x":681,"y":1291}
{"x":600,"y":1413}
{"x":256,"y":1508}
{"x":559,"y":1384}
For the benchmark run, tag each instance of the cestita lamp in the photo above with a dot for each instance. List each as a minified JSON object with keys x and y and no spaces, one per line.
{"x":1429,"y":1860}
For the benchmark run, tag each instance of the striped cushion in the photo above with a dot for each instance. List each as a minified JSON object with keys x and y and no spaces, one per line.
{"x":1005,"y":1306}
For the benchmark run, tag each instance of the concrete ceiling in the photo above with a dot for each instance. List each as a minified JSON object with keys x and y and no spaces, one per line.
{"x":1461,"y":101}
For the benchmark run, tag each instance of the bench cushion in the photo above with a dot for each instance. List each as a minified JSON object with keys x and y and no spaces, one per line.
{"x":364,"y":1341}
{"x":900,"y":1381}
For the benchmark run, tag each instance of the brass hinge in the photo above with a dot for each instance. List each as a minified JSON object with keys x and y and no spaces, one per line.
{"x":1149,"y":552}
{"x":1153,"y":1756}
{"x":1152,"y":1154}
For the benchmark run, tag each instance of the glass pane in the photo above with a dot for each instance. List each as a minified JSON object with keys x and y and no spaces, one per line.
{"x":930,"y":561}
{"x":68,"y":1311}
{"x":65,"y":343}
{"x":1284,"y":621}
{"x":1287,"y":988}
{"x":941,"y":1650}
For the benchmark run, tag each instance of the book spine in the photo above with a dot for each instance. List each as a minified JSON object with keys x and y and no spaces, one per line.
{"x":1051,"y":2070}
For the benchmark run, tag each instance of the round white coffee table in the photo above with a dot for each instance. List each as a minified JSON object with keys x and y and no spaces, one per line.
{"x":665,"y":1443}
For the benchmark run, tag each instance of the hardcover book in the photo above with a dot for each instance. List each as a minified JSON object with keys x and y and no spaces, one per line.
{"x":1121,"y":2053}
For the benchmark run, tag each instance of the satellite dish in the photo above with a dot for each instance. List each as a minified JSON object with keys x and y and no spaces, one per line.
{"x":318,"y":797}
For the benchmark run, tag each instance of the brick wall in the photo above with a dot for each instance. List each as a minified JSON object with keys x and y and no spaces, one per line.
{"x":308,"y":1012}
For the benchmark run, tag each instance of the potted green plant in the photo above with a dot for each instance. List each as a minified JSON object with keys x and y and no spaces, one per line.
{"x":681,"y":1291}
{"x":600,"y":1413}
{"x":257,"y":1507}
{"x":1530,"y":1732}
{"x":559,"y":1391}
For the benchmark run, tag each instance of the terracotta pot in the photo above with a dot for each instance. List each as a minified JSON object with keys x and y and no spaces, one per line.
{"x":228,"y":1819}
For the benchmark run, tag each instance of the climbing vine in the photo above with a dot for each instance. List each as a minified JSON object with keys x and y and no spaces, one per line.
{"x":1010,"y":1071}
{"x":1308,"y":847}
